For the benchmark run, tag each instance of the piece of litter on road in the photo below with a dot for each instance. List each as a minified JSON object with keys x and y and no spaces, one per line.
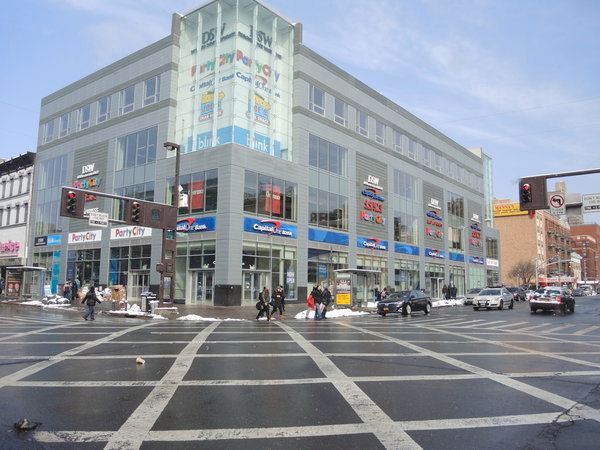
{"x":140,"y":360}
{"x":26,"y":425}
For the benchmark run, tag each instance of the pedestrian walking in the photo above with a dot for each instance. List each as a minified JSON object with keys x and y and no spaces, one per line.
{"x":317,"y":295}
{"x":326,"y":301}
{"x":277,"y":301}
{"x":311,"y":305}
{"x":90,"y":299}
{"x":67,"y":291}
{"x":264,"y":297}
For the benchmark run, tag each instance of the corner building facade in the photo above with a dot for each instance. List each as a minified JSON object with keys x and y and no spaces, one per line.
{"x":290,"y":169}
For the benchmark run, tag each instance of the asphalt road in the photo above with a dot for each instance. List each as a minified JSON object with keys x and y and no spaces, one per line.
{"x":456,"y":379}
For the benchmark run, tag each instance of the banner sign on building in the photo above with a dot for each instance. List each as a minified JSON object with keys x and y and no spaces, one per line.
{"x":196,"y":225}
{"x":270,"y":227}
{"x":405,"y":248}
{"x":130,"y":232}
{"x":371,"y":243}
{"x":328,"y":236}
{"x":85,"y":236}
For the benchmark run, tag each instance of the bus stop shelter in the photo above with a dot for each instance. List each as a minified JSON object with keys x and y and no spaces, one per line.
{"x":355,"y":287}
{"x":24,"y":282}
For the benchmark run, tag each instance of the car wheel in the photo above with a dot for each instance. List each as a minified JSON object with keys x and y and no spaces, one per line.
{"x":501,"y":305}
{"x":563,"y":309}
{"x":573,"y":307}
{"x":475,"y":308}
{"x":407,"y":310}
{"x":428,"y":308}
{"x":382,"y":314}
{"x":511,"y":306}
{"x":533,"y":310}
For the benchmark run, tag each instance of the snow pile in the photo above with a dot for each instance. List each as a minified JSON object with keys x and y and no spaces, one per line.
{"x":208,"y":319}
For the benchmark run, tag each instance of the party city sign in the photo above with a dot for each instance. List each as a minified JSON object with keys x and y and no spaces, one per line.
{"x":270,"y":227}
{"x":130,"y":232}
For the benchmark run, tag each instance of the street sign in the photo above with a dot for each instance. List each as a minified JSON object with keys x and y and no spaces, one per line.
{"x":590,"y":202}
{"x":557,"y":204}
{"x":98,"y":218}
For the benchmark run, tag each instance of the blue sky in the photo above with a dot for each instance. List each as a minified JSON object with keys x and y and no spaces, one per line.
{"x":516,"y":77}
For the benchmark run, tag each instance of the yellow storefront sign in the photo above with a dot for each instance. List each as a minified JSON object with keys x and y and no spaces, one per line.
{"x":508,"y":209}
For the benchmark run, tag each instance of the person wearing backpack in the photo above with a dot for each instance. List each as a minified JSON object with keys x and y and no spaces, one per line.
{"x":277,"y":303}
{"x":90,"y":299}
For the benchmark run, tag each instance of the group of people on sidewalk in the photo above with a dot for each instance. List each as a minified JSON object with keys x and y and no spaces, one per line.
{"x":318,"y":300}
{"x":266,"y":301}
{"x":268,"y":304}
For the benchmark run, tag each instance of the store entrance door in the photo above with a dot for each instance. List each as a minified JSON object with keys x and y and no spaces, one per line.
{"x":253,"y":284}
{"x":437,"y":286}
{"x":203,"y":287}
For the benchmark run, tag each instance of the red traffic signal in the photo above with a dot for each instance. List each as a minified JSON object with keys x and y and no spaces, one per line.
{"x":526,"y":193}
{"x":71,"y":202}
{"x":136,"y":212}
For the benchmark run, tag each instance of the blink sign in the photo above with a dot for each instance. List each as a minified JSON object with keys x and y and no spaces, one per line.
{"x":235,"y":78}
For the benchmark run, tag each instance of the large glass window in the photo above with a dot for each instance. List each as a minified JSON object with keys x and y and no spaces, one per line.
{"x":327,"y":209}
{"x":151,"y":90}
{"x":341,"y":112}
{"x":327,"y":156}
{"x":269,"y":196}
{"x":142,"y":191}
{"x":278,"y":261}
{"x":322,"y":264}
{"x":406,"y":275}
{"x":405,"y":227}
{"x":137,"y":148}
{"x":405,"y":185}
{"x":456,"y":205}
{"x":126,"y":99}
{"x":199,"y":192}
{"x":491,"y":248}
{"x":317,"y":100}
{"x":412,"y":149}
{"x":126,"y":259}
{"x":362,"y":123}
{"x":103,"y":109}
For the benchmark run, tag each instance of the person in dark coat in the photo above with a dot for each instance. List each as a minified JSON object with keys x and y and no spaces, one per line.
{"x":90,"y":299}
{"x":277,"y":302}
{"x":326,"y":300}
{"x":317,"y":294}
{"x":264,"y":297}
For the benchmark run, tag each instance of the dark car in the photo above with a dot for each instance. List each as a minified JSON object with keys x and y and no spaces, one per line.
{"x":578,"y":292}
{"x":518,"y":293}
{"x":553,"y":299}
{"x":405,"y":302}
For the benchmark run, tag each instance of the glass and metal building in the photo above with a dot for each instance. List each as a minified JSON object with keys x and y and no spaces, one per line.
{"x":290,"y":168}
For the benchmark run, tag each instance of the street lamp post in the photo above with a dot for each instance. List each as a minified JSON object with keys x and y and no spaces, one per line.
{"x":169,"y":247}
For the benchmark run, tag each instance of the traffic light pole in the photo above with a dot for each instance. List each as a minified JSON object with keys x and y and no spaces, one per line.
{"x":533,"y":191}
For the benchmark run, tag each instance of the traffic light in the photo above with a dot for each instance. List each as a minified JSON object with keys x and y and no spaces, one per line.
{"x":71,"y":202}
{"x":526,"y":193}
{"x":533,"y":193}
{"x":136,"y":212}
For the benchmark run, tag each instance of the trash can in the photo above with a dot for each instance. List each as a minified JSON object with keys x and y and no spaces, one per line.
{"x":147,"y":297}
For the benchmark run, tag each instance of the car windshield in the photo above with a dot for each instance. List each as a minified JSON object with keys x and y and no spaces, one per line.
{"x":490,"y":292}
{"x":398,"y":295}
{"x":474,"y":291}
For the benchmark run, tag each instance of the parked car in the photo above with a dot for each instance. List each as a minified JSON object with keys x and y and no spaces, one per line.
{"x":405,"y":302}
{"x":493,"y":297}
{"x":517,"y":292}
{"x":470,"y":295}
{"x":553,"y":299}
{"x":578,"y":292}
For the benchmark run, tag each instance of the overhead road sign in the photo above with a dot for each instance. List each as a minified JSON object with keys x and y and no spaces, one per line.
{"x":590,"y":203}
